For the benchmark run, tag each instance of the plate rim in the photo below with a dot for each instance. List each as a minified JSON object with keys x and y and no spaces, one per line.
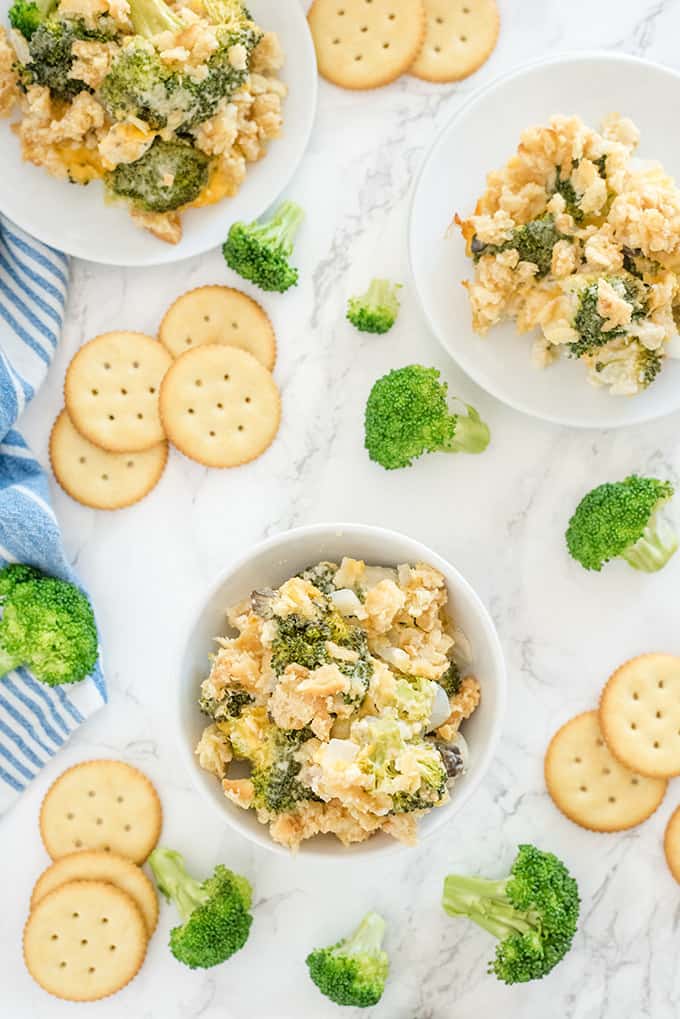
{"x":74,"y":251}
{"x":563,"y":57}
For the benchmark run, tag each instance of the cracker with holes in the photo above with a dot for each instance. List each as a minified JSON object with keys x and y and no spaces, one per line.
{"x":362,"y":44}
{"x":98,"y":865}
{"x":100,"y":479}
{"x":671,"y":844}
{"x":460,"y":36}
{"x":640,"y":714}
{"x":84,"y":940}
{"x":590,"y":786}
{"x":219,"y":315}
{"x":111,"y":391}
{"x":102,"y":804}
{"x":220,"y":406}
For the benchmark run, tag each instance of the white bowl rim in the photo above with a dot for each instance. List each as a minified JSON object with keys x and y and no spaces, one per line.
{"x":425,"y":554}
{"x":75,"y":250}
{"x":563,"y":57}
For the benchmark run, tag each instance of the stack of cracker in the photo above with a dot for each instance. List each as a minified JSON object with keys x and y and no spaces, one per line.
{"x":94,"y":909}
{"x":608,"y":770}
{"x":206,"y":386}
{"x":363,"y":44}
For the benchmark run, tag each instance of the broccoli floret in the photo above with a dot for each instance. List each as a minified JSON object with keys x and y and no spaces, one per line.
{"x":648,"y":364}
{"x":151,"y":17}
{"x":229,"y":706}
{"x":353,"y":971}
{"x":168,"y":176}
{"x":375,"y":311}
{"x":47,"y":625}
{"x":139,"y":85}
{"x":260,"y":252}
{"x":564,"y":187}
{"x":299,"y":641}
{"x":588,"y":322}
{"x":321,"y":576}
{"x":51,"y":57}
{"x":433,"y":788}
{"x":27,"y":15}
{"x":215,"y":913}
{"x":407,"y":415}
{"x":451,"y":680}
{"x":622,"y":519}
{"x":534,"y":242}
{"x":533,"y":912}
{"x":276,"y":784}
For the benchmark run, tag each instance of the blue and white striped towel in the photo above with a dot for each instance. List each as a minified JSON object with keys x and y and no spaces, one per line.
{"x":35,"y":720}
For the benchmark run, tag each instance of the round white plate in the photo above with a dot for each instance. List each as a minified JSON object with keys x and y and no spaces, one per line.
{"x":481,"y":137}
{"x":76,"y":220}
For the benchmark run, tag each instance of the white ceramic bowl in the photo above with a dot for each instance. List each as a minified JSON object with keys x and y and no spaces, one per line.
{"x":481,"y":136}
{"x":273,"y":562}
{"x":76,"y":220}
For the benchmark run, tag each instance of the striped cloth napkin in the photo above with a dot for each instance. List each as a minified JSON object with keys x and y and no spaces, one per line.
{"x":35,"y":720}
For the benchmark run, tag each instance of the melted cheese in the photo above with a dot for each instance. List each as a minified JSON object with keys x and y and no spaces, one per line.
{"x":220,"y":185}
{"x":81,"y":163}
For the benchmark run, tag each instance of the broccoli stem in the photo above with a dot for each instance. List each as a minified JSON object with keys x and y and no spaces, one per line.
{"x":175,"y":883}
{"x":654,"y":548}
{"x":368,"y":936}
{"x":151,"y":17}
{"x":485,"y":902}
{"x":282,"y":227}
{"x":472,"y":435}
{"x":7,"y":662}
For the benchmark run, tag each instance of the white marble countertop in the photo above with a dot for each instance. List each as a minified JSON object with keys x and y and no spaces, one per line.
{"x":499,"y":518}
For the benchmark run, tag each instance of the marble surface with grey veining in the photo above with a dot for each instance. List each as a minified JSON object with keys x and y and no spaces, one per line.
{"x":499,"y":518}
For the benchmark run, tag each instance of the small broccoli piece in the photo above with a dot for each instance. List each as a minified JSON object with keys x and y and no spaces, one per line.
{"x":648,"y":364}
{"x":533,"y":912}
{"x":588,"y":322}
{"x":564,"y":187}
{"x":622,"y":519}
{"x":375,"y":311}
{"x":407,"y":415}
{"x":47,"y":626}
{"x":50,"y":50}
{"x":139,"y":85}
{"x":534,"y":242}
{"x":321,"y":576}
{"x":451,"y":680}
{"x":353,"y":971}
{"x":229,"y":706}
{"x":433,"y":788}
{"x":277,"y":786}
{"x":27,"y":15}
{"x":215,"y":913}
{"x":299,"y":641}
{"x":260,"y":252}
{"x":168,"y":176}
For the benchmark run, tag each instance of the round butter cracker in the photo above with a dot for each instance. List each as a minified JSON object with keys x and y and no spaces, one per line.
{"x":101,"y":804}
{"x":111,"y":391}
{"x":640,"y":714}
{"x":100,"y":479}
{"x":590,"y":787}
{"x":98,"y":865}
{"x":362,"y":44}
{"x":217,"y":314}
{"x":671,"y":844}
{"x":84,"y":941}
{"x":220,"y":406}
{"x":460,"y":36}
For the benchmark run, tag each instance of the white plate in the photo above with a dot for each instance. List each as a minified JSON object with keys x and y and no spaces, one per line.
{"x":481,"y":137}
{"x":76,"y":220}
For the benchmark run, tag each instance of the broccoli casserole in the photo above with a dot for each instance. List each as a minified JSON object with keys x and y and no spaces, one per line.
{"x":166,"y":103}
{"x":578,"y":239}
{"x":343,"y":693}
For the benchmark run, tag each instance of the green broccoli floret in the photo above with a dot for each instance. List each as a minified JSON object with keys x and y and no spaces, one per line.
{"x":534,"y":242}
{"x":533,"y":912}
{"x":353,"y":971}
{"x":276,"y":783}
{"x":151,"y":17}
{"x":47,"y":626}
{"x":407,"y":415}
{"x":564,"y":187}
{"x":145,"y":182}
{"x":260,"y":252}
{"x":321,"y":576}
{"x":139,"y":85}
{"x":229,"y":706}
{"x":299,"y":641}
{"x":27,"y":15}
{"x":451,"y":680}
{"x":433,"y":788}
{"x":51,"y":57}
{"x":375,"y":311}
{"x":648,"y":364}
{"x":588,"y":322}
{"x":215,"y":913}
{"x":622,"y":519}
